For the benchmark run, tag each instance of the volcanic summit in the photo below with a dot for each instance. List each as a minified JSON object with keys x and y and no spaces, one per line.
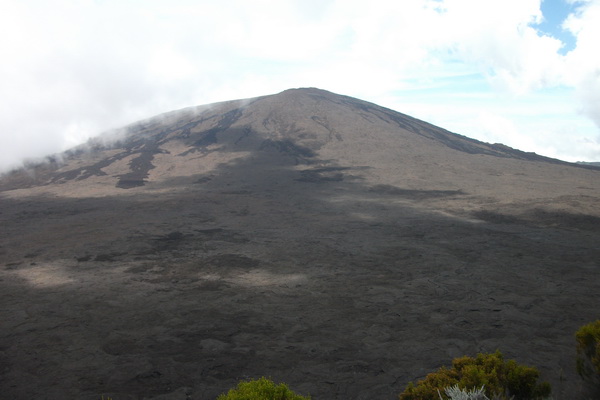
{"x":327,"y":242}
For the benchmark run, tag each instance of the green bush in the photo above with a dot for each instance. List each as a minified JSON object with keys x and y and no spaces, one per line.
{"x":501,"y":379}
{"x":588,"y":351}
{"x":261,"y":389}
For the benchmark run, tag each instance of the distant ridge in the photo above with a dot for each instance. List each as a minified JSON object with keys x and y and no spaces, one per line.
{"x":594,"y":164}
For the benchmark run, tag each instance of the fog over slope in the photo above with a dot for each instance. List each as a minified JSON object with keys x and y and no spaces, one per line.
{"x":306,"y":126}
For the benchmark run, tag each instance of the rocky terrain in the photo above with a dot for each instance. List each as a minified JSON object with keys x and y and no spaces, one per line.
{"x":326,"y":242}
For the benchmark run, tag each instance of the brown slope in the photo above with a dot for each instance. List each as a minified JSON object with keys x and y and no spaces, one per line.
{"x":312,"y":129}
{"x":324,"y":241}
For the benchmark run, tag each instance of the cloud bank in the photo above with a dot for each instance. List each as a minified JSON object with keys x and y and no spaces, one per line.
{"x":73,"y":69}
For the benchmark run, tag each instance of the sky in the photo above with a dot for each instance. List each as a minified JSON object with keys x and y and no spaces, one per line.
{"x":525,"y":73}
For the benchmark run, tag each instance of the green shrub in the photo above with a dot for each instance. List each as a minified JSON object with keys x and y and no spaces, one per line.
{"x":261,"y":389}
{"x":588,"y":351}
{"x":501,"y":379}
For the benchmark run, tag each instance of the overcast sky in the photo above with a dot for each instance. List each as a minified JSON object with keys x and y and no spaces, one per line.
{"x":525,"y":73}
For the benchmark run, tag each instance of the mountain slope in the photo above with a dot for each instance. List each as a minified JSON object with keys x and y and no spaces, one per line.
{"x":324,"y":241}
{"x":296,"y":127}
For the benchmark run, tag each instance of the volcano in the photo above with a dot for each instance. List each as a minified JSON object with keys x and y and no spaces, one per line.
{"x":327,"y":242}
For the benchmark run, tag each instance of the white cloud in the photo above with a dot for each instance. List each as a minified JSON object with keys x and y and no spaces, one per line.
{"x":72,"y":69}
{"x":498,"y":129}
{"x":583,"y":63}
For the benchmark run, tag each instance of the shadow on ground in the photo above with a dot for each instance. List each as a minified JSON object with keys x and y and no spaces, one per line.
{"x":341,"y":288}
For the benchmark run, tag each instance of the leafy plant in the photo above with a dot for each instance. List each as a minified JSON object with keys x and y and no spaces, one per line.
{"x":261,"y":389}
{"x":456,"y":393}
{"x":588,"y":351}
{"x":501,"y":379}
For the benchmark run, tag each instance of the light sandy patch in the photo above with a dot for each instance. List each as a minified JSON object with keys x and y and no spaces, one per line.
{"x":46,"y":275}
{"x":260,"y":277}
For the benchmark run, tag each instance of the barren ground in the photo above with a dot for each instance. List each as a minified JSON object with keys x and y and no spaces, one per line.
{"x":340,"y":289}
{"x":316,"y":239}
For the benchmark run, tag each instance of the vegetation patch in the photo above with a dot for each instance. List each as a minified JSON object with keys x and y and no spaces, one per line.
{"x":261,"y":389}
{"x":588,"y":351}
{"x":501,"y":379}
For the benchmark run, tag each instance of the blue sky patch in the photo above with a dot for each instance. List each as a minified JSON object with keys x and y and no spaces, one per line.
{"x":555,"y":12}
